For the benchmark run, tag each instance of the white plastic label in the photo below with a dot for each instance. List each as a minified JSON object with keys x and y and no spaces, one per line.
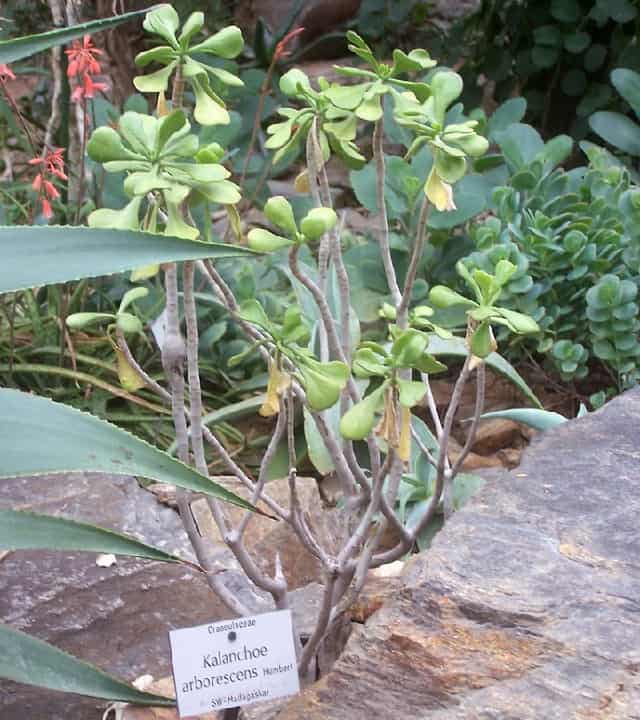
{"x":234,"y":662}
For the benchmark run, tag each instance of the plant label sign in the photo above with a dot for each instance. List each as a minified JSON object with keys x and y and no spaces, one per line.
{"x":234,"y":662}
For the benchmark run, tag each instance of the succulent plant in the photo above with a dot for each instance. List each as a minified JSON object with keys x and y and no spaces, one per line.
{"x":161,"y":156}
{"x":180,"y":56}
{"x":278,"y":210}
{"x":613,"y":323}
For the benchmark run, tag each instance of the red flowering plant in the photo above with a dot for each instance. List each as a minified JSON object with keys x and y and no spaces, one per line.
{"x":51,"y":166}
{"x":84,"y":66}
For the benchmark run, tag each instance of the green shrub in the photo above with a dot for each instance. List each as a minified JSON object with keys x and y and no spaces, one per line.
{"x":566,"y":232}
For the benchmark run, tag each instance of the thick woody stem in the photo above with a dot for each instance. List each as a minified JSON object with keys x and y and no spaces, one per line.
{"x":325,"y":314}
{"x":480,"y":386}
{"x":276,"y":586}
{"x":213,"y":575}
{"x":441,"y":469}
{"x":344,"y":290}
{"x":173,"y":353}
{"x":322,"y":623}
{"x":385,"y":248}
{"x":193,"y":370}
{"x":340,"y":464}
{"x":416,"y":256}
{"x":443,"y":482}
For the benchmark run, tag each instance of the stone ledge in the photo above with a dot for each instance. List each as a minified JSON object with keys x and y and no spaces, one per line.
{"x":528,"y":604}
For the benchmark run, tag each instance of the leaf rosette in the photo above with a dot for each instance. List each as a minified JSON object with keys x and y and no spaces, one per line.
{"x":158,"y":154}
{"x":179,"y":55}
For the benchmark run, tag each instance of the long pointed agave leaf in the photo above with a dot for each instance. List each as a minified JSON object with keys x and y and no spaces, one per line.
{"x":33,"y":256}
{"x":21,"y":530}
{"x":28,"y":660}
{"x":39,"y":436}
{"x":22,"y":47}
{"x":533,"y":417}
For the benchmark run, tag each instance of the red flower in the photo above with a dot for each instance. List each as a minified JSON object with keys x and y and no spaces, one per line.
{"x":6,"y":73}
{"x":51,"y":165}
{"x":83,"y":64}
{"x":281,"y":48}
{"x":87,"y":89}
{"x":82,"y":58}
{"x":46,"y":208}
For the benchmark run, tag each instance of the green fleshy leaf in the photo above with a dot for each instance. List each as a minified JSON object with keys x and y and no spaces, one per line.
{"x":449,"y":168}
{"x":357,"y":423}
{"x":169,"y":125}
{"x":442,"y":297}
{"x":280,"y":134}
{"x":292,"y":80}
{"x":446,"y":87}
{"x":223,"y":192}
{"x":347,"y":97}
{"x":140,"y":132}
{"x":428,"y":364}
{"x":253,"y":312}
{"x":193,"y":24}
{"x":323,"y":382}
{"x":225,"y":77}
{"x":409,"y":347}
{"x":106,"y":145}
{"x":176,"y":225}
{"x":518,"y":322}
{"x":227,"y":43}
{"x":131,"y":296}
{"x":264,"y":241}
{"x":81,"y":320}
{"x":128,"y":323}
{"x":317,"y":222}
{"x":368,"y":363}
{"x":278,"y":211}
{"x":155,"y":82}
{"x":410,"y":392}
{"x":482,"y":342}
{"x":208,"y":111}
{"x":128,"y":218}
{"x":163,"y":21}
{"x":162,"y":54}
{"x":370,"y":109}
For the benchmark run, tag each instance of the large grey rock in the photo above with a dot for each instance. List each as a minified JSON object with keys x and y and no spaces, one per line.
{"x":117,"y":617}
{"x":528,"y":604}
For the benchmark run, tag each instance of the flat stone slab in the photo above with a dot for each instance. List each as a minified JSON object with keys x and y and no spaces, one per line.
{"x":528,"y":604}
{"x":117,"y":617}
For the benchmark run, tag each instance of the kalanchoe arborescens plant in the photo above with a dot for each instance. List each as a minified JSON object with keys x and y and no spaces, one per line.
{"x":167,"y":171}
{"x":278,"y":210}
{"x":450,"y":144}
{"x":164,"y":160}
{"x":373,"y":361}
{"x":365,"y":99}
{"x":322,"y":381}
{"x":335,"y":127}
{"x":482,"y":311}
{"x":121,"y":323}
{"x":180,"y":56}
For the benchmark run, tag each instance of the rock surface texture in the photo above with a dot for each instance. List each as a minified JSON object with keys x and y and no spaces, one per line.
{"x":116,"y":617}
{"x":526,"y":607}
